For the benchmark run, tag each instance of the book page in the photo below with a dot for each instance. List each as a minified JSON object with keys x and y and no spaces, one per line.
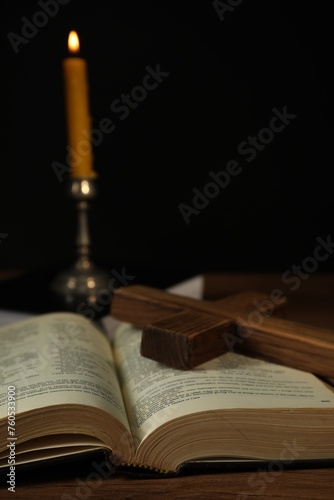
{"x":155,"y":394}
{"x":58,"y":358}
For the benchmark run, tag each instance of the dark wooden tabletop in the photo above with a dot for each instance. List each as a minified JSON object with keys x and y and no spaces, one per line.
{"x":282,"y":485}
{"x":311,"y":302}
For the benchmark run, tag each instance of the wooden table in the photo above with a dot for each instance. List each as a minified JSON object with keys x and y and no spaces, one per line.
{"x":287,"y":485}
{"x":312,"y":302}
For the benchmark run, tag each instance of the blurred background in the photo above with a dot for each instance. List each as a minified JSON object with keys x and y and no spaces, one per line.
{"x":226,"y":66}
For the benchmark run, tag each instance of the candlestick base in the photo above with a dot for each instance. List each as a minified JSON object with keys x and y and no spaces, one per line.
{"x":79,"y":288}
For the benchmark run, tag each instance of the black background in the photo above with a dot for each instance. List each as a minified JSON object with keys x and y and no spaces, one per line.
{"x":225,"y":78}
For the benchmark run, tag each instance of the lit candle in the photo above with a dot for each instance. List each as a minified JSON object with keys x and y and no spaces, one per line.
{"x":77,"y":110}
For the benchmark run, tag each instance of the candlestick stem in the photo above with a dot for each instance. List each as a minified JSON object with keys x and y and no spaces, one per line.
{"x":82,"y":281}
{"x":83,"y":236}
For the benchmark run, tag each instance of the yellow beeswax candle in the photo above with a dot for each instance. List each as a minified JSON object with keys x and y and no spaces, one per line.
{"x":77,"y":111}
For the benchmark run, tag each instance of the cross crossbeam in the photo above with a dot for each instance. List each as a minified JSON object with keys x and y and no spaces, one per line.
{"x":182,"y":332}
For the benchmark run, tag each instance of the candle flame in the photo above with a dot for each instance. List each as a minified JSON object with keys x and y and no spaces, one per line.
{"x":73,"y":42}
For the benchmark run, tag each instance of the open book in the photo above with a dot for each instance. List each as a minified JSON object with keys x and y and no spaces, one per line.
{"x":66,"y":389}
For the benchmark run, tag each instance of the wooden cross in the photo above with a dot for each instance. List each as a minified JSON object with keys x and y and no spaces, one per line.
{"x":182,"y":332}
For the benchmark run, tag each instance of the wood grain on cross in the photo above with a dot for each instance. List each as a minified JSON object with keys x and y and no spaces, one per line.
{"x":182,"y":332}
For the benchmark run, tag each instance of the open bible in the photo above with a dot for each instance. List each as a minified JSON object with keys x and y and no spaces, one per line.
{"x":67,"y":389}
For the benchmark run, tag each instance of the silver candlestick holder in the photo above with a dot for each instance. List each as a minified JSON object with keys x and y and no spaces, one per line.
{"x":80,"y":283}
